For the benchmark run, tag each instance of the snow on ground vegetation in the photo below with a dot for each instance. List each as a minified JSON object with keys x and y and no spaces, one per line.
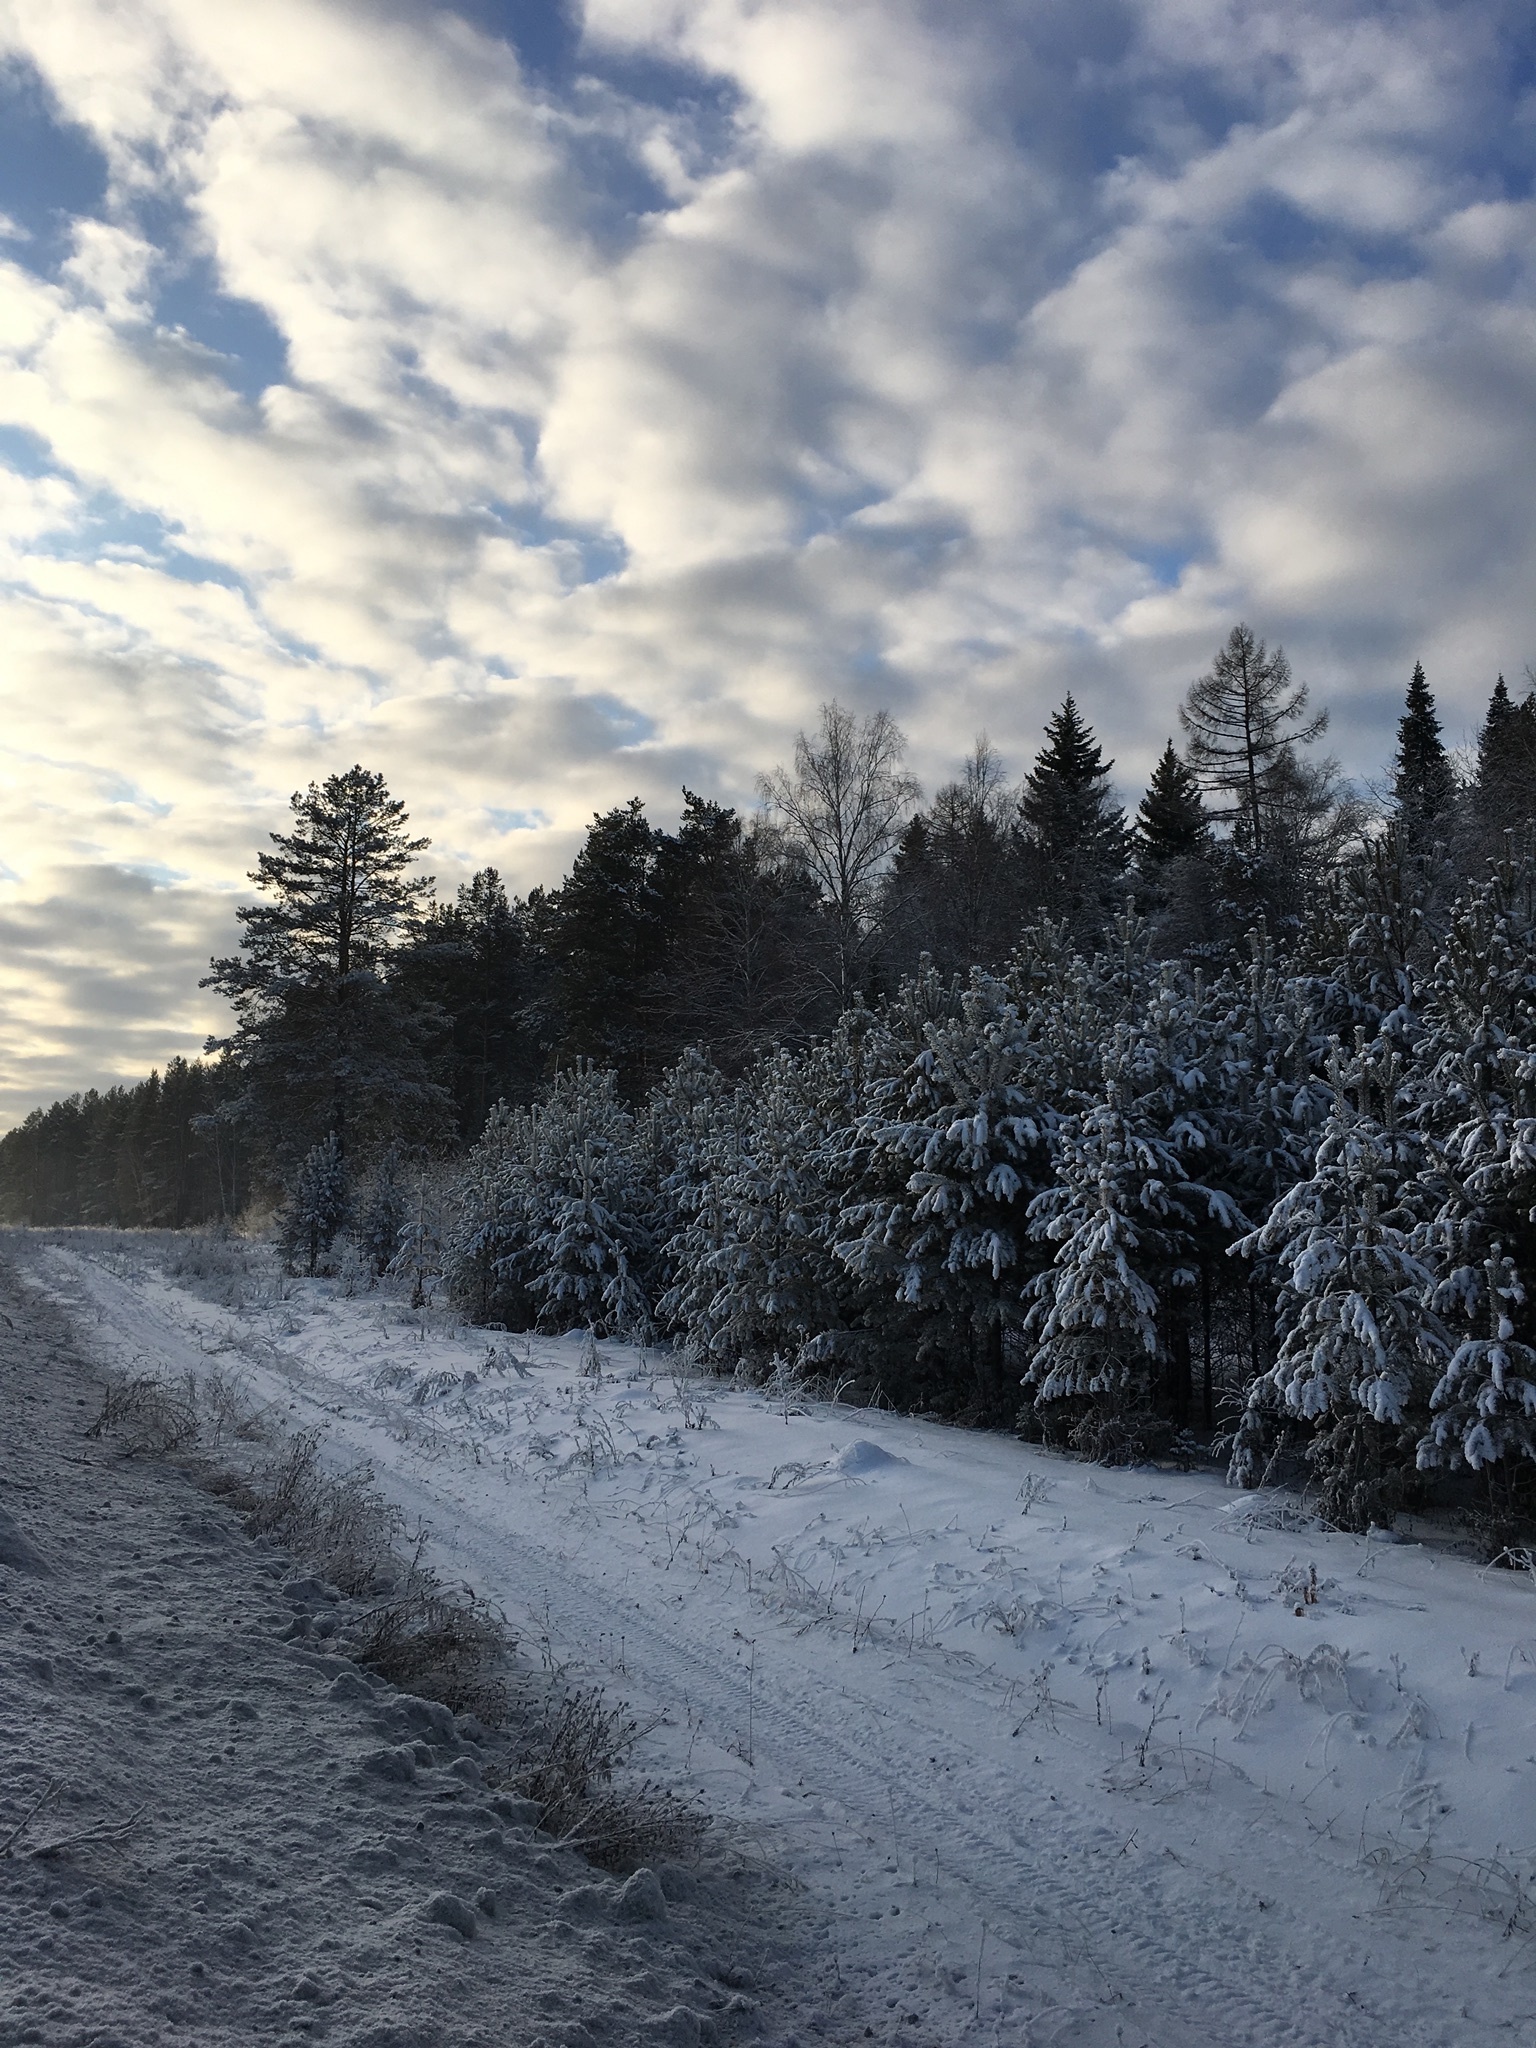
{"x":217,"y":1828}
{"x":1063,"y":1755}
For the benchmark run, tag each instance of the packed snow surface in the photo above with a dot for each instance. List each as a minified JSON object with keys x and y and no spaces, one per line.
{"x":1064,"y":1755}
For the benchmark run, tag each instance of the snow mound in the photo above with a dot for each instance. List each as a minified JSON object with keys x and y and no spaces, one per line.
{"x":860,"y":1458}
{"x":15,"y":1548}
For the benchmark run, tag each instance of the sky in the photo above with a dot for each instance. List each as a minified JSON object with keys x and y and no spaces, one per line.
{"x":547,"y":404}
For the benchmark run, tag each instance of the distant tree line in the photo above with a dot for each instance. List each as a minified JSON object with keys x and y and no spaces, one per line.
{"x":152,"y":1156}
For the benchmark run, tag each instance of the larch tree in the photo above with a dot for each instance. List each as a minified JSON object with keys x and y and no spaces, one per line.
{"x":1243,"y":722}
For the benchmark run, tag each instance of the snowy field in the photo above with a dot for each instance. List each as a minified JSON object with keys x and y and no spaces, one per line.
{"x":1062,"y":1755}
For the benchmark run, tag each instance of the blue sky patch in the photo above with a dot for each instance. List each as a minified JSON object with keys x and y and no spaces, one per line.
{"x":51,"y":172}
{"x":515,"y":821}
{"x":253,"y":350}
{"x":108,"y":527}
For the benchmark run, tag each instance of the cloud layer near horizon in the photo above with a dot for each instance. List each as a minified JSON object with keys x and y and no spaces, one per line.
{"x":544,"y":427}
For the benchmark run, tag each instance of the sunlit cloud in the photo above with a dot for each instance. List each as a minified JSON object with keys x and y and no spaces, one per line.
{"x":547,"y":409}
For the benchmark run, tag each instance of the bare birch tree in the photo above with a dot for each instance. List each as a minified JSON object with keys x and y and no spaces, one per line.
{"x":842,"y":809}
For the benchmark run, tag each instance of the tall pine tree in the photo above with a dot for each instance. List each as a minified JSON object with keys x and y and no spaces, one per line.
{"x":1506,"y":762}
{"x":327,"y":1041}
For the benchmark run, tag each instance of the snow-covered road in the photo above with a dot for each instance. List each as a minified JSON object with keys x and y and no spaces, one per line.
{"x":1065,"y":1756}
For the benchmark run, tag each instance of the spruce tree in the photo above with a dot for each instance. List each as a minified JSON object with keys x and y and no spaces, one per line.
{"x":384,"y":1212}
{"x":745,"y":956}
{"x":1066,"y":803}
{"x":587,"y":1207}
{"x":1480,"y":1099}
{"x":955,"y":888}
{"x":951,"y":1150}
{"x":488,"y":1236}
{"x":1485,"y":1403}
{"x":1424,"y":784}
{"x":605,"y":931}
{"x":1501,"y":710}
{"x":1071,"y":823}
{"x":772,"y":1274}
{"x":1116,"y":1214}
{"x":1171,"y":821}
{"x":1506,"y":762}
{"x":695,"y":1118}
{"x":475,"y":961}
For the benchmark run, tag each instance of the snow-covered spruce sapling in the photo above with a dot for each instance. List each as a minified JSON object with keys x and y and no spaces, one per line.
{"x":951,"y":1150}
{"x":1480,"y":1241}
{"x":1361,"y":1347}
{"x":383,"y":1213}
{"x":591,"y":1366}
{"x":586,"y":1202}
{"x":1120,"y":1211}
{"x":419,"y":1256}
{"x":767,"y":1283}
{"x":316,"y":1207}
{"x":488,"y":1232}
{"x":1485,"y":1402}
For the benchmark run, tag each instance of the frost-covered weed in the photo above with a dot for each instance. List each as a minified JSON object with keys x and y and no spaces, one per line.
{"x":148,"y":1417}
{"x":440,"y":1644}
{"x":337,"y":1522}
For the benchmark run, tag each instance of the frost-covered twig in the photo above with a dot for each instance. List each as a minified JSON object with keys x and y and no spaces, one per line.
{"x":29,"y":1816}
{"x":104,"y":1834}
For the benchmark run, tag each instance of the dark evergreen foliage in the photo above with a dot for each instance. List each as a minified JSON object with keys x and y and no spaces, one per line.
{"x":316,"y":1207}
{"x":605,"y":931}
{"x":999,"y":1189}
{"x":747,"y":947}
{"x":478,"y":964}
{"x":328,"y":1040}
{"x":1073,"y":830}
{"x":1423,"y":783}
{"x":957,"y":885}
{"x":151,"y":1156}
{"x":1171,"y":820}
{"x":1505,"y":796}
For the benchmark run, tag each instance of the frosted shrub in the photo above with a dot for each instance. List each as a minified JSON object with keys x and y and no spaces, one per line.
{"x":550,"y":1213}
{"x":316,"y":1207}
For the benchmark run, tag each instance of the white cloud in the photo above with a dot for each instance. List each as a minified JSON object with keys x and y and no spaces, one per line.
{"x":941,"y":360}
